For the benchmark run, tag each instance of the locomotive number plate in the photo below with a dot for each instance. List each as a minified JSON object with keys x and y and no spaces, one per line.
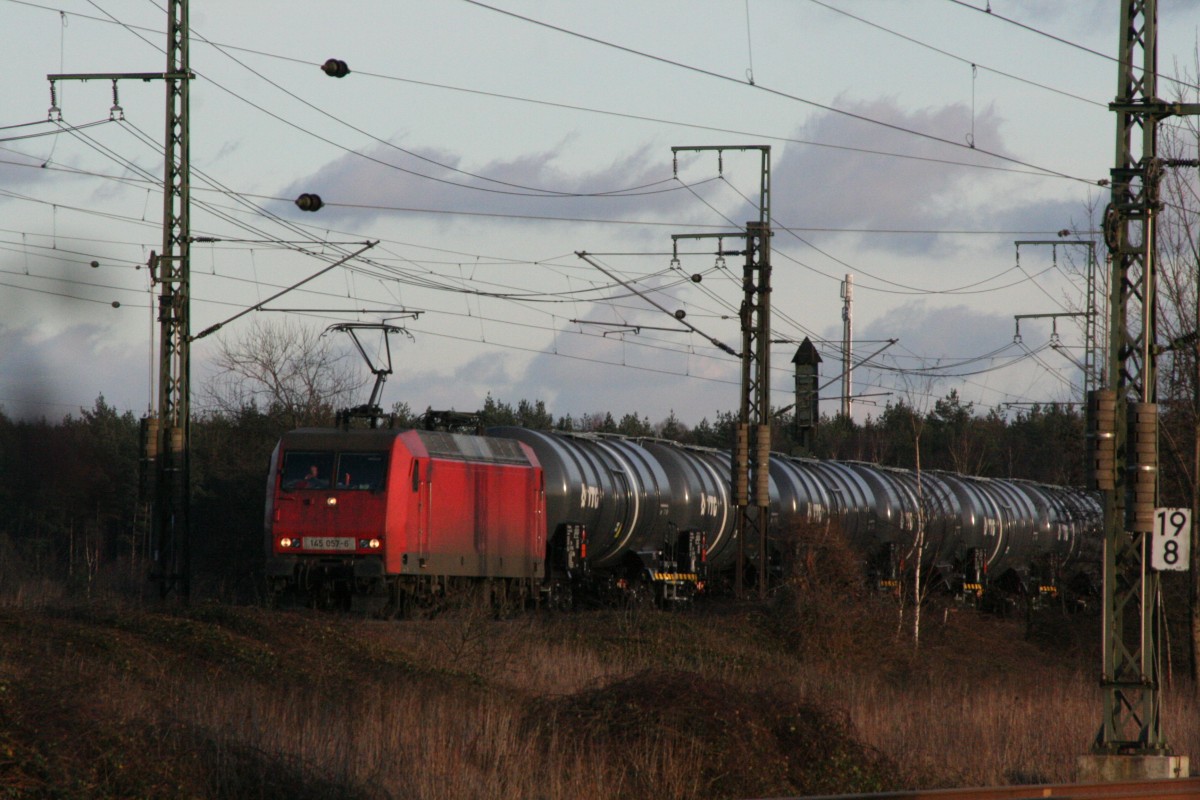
{"x":328,"y":543}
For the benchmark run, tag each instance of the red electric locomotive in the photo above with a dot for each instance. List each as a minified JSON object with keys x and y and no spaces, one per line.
{"x":402,"y":514}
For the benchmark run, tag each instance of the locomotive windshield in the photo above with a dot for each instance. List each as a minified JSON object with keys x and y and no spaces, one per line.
{"x":361,"y":470}
{"x":317,"y":470}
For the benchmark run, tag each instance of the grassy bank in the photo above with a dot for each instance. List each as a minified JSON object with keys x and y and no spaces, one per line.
{"x":816,"y":691}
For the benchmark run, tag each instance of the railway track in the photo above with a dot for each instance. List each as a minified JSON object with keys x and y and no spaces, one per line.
{"x":1163,"y":789}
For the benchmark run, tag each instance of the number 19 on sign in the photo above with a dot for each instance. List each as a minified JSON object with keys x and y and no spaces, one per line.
{"x":1172,"y":538}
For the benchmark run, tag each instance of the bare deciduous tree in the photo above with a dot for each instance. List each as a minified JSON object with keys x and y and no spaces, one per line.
{"x":1178,"y":319}
{"x":283,"y":368}
{"x":918,"y":391}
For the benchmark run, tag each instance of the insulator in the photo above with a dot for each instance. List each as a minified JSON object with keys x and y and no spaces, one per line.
{"x":116,"y":112}
{"x":741,"y":458}
{"x":309,"y":202}
{"x":177,"y":441}
{"x":1143,"y":466}
{"x":55,"y":113}
{"x":1102,"y":439}
{"x":742,"y":440}
{"x":149,"y":438}
{"x":741,"y":490}
{"x":762,"y":476}
{"x":1140,"y":510}
{"x":148,"y":462}
{"x":335,"y":68}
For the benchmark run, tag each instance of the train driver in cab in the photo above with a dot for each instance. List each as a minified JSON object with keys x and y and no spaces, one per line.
{"x":312,"y":480}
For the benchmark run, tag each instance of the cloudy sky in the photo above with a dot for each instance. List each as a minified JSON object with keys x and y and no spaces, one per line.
{"x":485,"y":144}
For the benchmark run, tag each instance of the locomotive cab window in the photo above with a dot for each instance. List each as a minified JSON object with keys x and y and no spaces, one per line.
{"x":307,"y":470}
{"x":361,"y":471}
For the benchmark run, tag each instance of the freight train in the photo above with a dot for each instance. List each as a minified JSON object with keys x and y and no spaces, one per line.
{"x":412,"y":516}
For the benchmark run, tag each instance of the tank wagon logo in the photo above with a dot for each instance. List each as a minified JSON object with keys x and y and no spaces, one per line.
{"x":709,"y":505}
{"x":589,"y":497}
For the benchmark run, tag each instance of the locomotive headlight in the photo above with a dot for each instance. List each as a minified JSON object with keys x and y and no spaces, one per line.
{"x":375,"y":544}
{"x":331,"y":501}
{"x":369,"y":544}
{"x":285,"y":542}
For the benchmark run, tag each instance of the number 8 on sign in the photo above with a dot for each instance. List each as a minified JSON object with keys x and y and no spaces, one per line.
{"x":1171,"y":547}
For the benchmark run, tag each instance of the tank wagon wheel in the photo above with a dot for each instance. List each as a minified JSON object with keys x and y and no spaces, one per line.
{"x":641,"y":593}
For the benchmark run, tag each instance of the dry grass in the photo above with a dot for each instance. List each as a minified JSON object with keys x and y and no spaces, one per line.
{"x":815,"y":692}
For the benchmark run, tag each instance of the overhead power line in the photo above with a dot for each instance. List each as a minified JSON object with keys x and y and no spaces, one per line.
{"x":779,"y":93}
{"x":144,"y":182}
{"x":990,"y":12}
{"x":1035,"y":169}
{"x":958,"y":58}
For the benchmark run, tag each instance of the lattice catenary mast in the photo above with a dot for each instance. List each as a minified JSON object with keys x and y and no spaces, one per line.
{"x":1125,"y":433}
{"x":752,"y":446}
{"x":166,"y":435}
{"x":170,"y":518}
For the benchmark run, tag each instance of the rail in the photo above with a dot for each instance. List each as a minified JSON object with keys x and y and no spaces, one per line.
{"x":1161,"y":789}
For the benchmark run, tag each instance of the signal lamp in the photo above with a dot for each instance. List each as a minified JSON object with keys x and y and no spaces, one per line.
{"x":680,"y":314}
{"x":309,"y":202}
{"x":697,"y":277}
{"x":335,"y":68}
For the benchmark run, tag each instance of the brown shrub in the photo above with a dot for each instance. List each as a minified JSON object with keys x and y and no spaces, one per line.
{"x":734,"y":742}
